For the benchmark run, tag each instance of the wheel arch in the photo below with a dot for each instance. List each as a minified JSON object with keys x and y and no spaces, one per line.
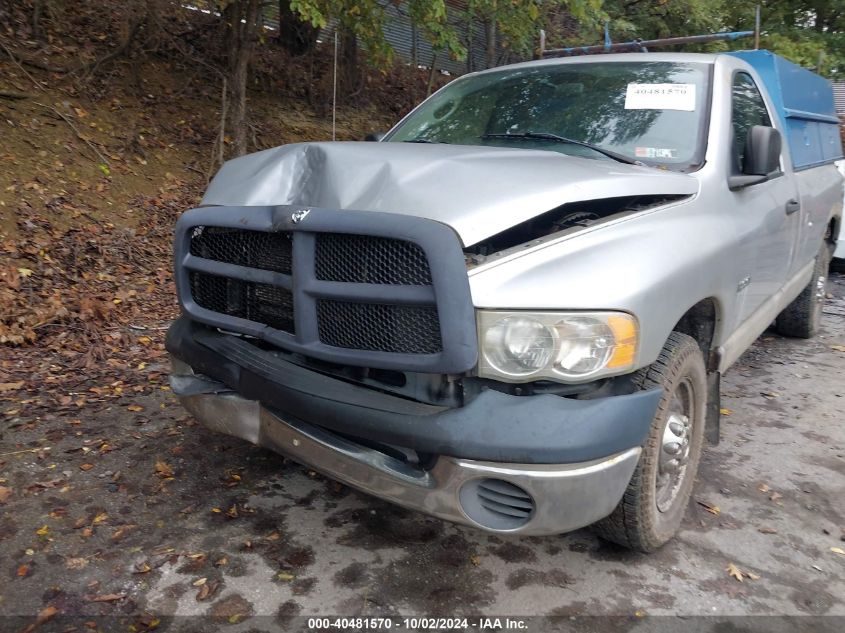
{"x":703,"y":322}
{"x":834,"y":230}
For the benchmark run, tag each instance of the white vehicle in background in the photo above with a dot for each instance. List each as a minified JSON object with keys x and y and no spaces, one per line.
{"x":839,"y":254}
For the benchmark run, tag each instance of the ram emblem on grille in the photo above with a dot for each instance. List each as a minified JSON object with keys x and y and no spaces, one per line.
{"x":298,"y":216}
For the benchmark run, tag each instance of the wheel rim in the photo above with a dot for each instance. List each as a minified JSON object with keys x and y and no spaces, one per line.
{"x":675,"y":445}
{"x":820,"y":283}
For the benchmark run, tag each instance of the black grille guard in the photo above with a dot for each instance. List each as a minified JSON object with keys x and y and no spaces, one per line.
{"x":449,"y":290}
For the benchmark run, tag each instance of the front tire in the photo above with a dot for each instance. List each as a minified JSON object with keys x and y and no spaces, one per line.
{"x":654,"y":503}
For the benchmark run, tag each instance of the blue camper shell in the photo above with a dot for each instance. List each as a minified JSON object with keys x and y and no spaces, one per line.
{"x":804,"y":102}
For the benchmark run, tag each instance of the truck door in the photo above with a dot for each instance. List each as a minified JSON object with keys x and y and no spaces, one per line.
{"x":767,"y":217}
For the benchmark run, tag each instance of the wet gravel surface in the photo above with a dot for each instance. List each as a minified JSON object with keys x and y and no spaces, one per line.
{"x":132,"y":516}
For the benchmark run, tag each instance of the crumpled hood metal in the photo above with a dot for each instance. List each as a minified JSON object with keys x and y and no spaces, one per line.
{"x":478,"y":191}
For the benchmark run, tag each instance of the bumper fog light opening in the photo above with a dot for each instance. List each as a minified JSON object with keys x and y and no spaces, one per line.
{"x":496,"y":504}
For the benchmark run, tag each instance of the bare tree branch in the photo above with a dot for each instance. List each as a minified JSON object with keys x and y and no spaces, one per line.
{"x":13,"y":95}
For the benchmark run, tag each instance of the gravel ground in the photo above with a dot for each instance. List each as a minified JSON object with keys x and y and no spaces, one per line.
{"x":132,"y":516}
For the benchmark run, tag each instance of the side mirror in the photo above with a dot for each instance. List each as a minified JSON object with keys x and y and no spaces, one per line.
{"x":762,"y":157}
{"x":374,"y":137}
{"x":762,"y":151}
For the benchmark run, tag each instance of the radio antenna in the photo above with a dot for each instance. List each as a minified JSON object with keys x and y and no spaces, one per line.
{"x":334,"y":90}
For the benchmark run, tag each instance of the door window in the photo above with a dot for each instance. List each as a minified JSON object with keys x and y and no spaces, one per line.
{"x":748,"y":109}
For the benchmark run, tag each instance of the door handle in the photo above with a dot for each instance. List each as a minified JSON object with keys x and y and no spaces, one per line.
{"x":792,"y":206}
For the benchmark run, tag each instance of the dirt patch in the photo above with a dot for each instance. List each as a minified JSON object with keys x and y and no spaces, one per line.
{"x":232,"y":609}
{"x":527,"y":576}
{"x":511,"y":552}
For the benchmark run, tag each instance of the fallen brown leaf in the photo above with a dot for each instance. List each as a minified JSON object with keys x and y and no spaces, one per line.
{"x":202,"y":594}
{"x":5,"y":493}
{"x":10,"y":386}
{"x":709,"y":507}
{"x":739,"y":574}
{"x":52,"y":483}
{"x":734,"y":571}
{"x":86,"y":467}
{"x":45,"y":615}
{"x":107,"y":597}
{"x":120,"y":532}
{"x":163,"y":469}
{"x":838,"y":348}
{"x":76,"y":563}
{"x":767,"y":530}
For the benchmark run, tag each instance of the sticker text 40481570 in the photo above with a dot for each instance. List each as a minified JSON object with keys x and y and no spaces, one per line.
{"x":660,"y":97}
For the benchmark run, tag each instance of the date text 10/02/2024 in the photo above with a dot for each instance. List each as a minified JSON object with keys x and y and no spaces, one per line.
{"x":418,"y":624}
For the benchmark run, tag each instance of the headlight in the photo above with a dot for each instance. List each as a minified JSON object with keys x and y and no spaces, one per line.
{"x":564,"y":346}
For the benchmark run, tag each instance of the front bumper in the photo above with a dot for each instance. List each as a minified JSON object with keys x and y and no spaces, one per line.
{"x":565,"y":497}
{"x":567,"y":460}
{"x":494,"y":426}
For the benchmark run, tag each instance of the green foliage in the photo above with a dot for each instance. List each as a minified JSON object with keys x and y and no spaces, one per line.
{"x":364,"y":18}
{"x":432,"y":17}
{"x":518,"y":22}
{"x":652,"y":19}
{"x":803,"y":31}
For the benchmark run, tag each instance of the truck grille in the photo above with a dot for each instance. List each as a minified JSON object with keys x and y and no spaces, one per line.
{"x":255,"y":249}
{"x":345,"y":258}
{"x":262,"y":303}
{"x":367,"y":259}
{"x":379,"y":328}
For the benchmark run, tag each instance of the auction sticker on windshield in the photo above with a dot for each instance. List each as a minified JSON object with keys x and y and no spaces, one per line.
{"x":660,"y":97}
{"x":655,"y":152}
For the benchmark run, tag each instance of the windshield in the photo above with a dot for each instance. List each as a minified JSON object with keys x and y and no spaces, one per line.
{"x":650,"y":112}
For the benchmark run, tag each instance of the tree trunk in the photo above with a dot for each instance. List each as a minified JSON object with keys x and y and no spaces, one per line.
{"x":470,"y":21}
{"x":295,"y":36}
{"x":36,"y":19}
{"x":242,"y":21}
{"x":350,"y":71}
{"x":491,"y":43}
{"x":431,"y":72}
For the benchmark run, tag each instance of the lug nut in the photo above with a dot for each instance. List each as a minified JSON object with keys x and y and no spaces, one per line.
{"x":673,"y":448}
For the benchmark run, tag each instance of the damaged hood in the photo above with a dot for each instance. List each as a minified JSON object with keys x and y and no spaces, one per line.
{"x":478,"y":191}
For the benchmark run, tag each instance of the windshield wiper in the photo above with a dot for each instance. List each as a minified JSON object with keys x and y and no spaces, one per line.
{"x":548,"y":136}
{"x":422,"y":140}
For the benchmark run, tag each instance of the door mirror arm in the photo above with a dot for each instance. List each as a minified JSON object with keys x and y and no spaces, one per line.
{"x":744,"y":180}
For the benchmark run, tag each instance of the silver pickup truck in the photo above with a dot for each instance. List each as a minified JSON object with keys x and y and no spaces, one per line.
{"x":514,"y":309}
